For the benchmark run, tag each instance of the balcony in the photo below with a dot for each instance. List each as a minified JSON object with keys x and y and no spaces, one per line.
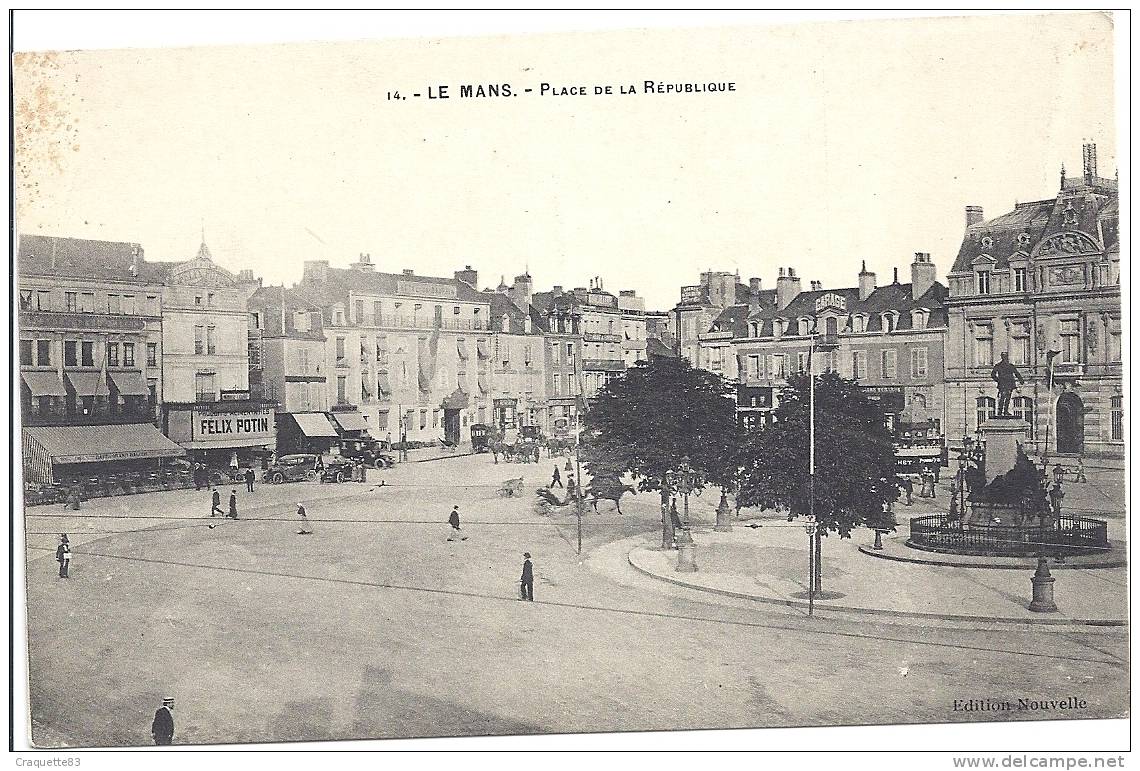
{"x":599,"y":337}
{"x":88,"y":322}
{"x":97,"y":417}
{"x":426,"y":322}
{"x":603,"y":365}
{"x":1068,"y":370}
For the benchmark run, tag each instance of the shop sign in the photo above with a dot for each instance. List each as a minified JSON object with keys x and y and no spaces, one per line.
{"x":222,"y":427}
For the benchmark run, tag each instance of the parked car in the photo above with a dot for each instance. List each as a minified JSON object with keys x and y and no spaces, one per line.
{"x":293,"y":468}
{"x":367,"y":452}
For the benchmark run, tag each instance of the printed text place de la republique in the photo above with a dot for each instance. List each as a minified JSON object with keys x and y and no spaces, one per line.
{"x":492,"y":90}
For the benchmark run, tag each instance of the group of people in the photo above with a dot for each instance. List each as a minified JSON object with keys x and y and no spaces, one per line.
{"x":571,"y":486}
{"x":200,"y":473}
{"x":526,"y":582}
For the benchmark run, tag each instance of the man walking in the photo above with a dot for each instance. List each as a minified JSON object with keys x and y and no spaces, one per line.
{"x":305,"y":529}
{"x":571,"y":489}
{"x":1056,"y":494}
{"x":233,"y":504}
{"x":526,"y":587}
{"x":556,"y":479}
{"x":216,"y":504}
{"x":453,"y":520}
{"x":249,"y":477}
{"x":63,"y":555}
{"x":162,"y":729}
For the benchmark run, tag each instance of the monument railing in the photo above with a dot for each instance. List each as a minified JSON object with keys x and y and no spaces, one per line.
{"x":1069,"y":535}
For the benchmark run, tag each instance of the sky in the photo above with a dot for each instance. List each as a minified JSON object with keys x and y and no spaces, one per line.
{"x":842,"y":141}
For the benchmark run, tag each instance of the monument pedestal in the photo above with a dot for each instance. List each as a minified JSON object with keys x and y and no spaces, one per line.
{"x":1003,"y":436}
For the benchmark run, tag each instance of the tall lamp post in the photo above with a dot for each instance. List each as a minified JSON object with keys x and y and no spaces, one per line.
{"x":685,"y":480}
{"x":820,"y":342}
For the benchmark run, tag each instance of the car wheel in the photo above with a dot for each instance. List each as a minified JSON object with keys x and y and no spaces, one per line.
{"x":277,"y":478}
{"x":311,"y":475}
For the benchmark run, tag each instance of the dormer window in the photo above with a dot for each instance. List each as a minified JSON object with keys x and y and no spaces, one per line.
{"x":505,"y":323}
{"x":983,"y":281}
{"x":777,"y":327}
{"x":918,"y":318}
{"x":805,"y":326}
{"x":754,"y":329}
{"x":859,"y":323}
{"x":889,"y":321}
{"x":526,"y":324}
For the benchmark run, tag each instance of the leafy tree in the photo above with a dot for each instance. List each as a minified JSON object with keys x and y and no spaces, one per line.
{"x":854,"y":456}
{"x":661,"y":411}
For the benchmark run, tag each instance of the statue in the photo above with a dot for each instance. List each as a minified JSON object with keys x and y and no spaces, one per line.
{"x":1007,"y":378}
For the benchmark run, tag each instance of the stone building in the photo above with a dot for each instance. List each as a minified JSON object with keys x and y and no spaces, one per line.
{"x":700,"y":305}
{"x":634,"y":327}
{"x":1042,"y":283}
{"x":890,"y":338}
{"x":561,"y":321}
{"x":518,"y":357}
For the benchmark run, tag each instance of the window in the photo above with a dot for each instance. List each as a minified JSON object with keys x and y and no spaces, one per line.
{"x":756,"y":364}
{"x":1118,"y":418}
{"x":435,"y":418}
{"x":205,"y":388}
{"x":152,"y":392}
{"x":87,"y":302}
{"x":1070,"y":341}
{"x":255,"y":320}
{"x":505,"y":323}
{"x":198,"y":299}
{"x":570,"y":353}
{"x":210,"y":339}
{"x":152,"y":305}
{"x":423,"y":419}
{"x":716,"y":359}
{"x":301,"y":321}
{"x":303,"y":361}
{"x":70,"y":354}
{"x":1022,"y":407}
{"x":381,"y":353}
{"x":129,"y":304}
{"x":986,"y":406}
{"x":360,"y":311}
{"x":918,"y":318}
{"x":341,"y":389}
{"x":209,"y":298}
{"x":377,"y":314}
{"x":526,"y":355}
{"x":26,"y":352}
{"x":71,"y":301}
{"x":199,"y":339}
{"x":1019,"y":280}
{"x":983,"y":345}
{"x":889,"y":321}
{"x":112,"y":354}
{"x":340,"y":349}
{"x":805,"y":326}
{"x":1019,"y":344}
{"x":26,"y":303}
{"x":557,"y":385}
{"x":1114,"y":340}
{"x":918,"y":362}
{"x":43,"y":298}
{"x":776,"y":365}
{"x":859,"y":365}
{"x":128,"y":354}
{"x":87,"y":353}
{"x":777,"y":327}
{"x":890,"y":364}
{"x":801,"y":362}
{"x":43,"y":353}
{"x":983,"y":281}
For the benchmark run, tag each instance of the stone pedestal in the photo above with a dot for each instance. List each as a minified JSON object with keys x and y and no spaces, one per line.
{"x":686,"y":553}
{"x":1042,"y":589}
{"x":723,"y":516}
{"x":1003,"y":436}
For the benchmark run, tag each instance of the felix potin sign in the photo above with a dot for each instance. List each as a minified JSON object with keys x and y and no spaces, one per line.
{"x":232,"y":425}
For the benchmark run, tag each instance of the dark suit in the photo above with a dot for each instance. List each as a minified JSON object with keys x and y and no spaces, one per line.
{"x":527,"y":581}
{"x":216,"y":503}
{"x":162,"y":729}
{"x":249,"y":480}
{"x":233,"y":507}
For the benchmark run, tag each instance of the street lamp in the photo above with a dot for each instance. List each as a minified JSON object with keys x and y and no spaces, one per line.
{"x":828,"y":344}
{"x":685,"y":480}
{"x":811,"y":528}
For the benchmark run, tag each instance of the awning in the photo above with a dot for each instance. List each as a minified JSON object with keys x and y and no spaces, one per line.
{"x":314,"y":425}
{"x":350,"y":421}
{"x":130,"y":383}
{"x":87,"y":383}
{"x":366,"y":385}
{"x":383,"y":384}
{"x":462,"y":349}
{"x":382,"y":419}
{"x":483,"y":384}
{"x":43,"y":383}
{"x":481,"y":345}
{"x":91,"y":444}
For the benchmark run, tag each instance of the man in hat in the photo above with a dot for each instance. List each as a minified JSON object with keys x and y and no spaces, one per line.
{"x":162,"y":729}
{"x":1007,"y":378}
{"x":526,"y":588}
{"x":216,"y":504}
{"x":233,"y":504}
{"x":453,"y":520}
{"x":63,"y":555}
{"x":305,"y":529}
{"x":249,"y":477}
{"x":556,"y":479}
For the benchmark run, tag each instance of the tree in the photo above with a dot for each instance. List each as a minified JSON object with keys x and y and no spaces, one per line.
{"x":659,"y":412}
{"x":854,"y":457}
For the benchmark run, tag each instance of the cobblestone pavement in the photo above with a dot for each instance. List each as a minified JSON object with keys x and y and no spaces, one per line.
{"x":378,"y":626}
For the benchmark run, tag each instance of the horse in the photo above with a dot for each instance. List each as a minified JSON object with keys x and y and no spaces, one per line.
{"x":610,"y":490}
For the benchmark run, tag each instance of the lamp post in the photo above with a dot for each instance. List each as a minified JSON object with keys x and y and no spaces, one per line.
{"x":826,"y":344}
{"x":685,"y":480}
{"x":811,"y":529}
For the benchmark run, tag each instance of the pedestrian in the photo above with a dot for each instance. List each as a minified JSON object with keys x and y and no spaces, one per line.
{"x":63,"y":555}
{"x":305,"y":529}
{"x":453,"y":520}
{"x":675,"y":518}
{"x":937,"y":472}
{"x":216,"y":506}
{"x":569,"y":465}
{"x":1055,"y":496}
{"x":556,"y":479}
{"x":196,"y":474}
{"x":526,"y":583}
{"x":234,"y":465}
{"x":233,"y":504}
{"x":388,"y":441}
{"x":249,"y":477}
{"x":908,"y":486}
{"x":162,"y":729}
{"x":571,"y":488}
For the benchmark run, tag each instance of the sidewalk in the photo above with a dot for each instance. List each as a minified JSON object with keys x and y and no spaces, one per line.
{"x":769,"y":564}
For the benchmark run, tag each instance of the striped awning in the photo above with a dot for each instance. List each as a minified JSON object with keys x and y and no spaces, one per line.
{"x":384,"y":384}
{"x":483,"y":384}
{"x":130,"y":383}
{"x":92,"y":444}
{"x":43,"y":383}
{"x":314,"y":425}
{"x":462,"y":349}
{"x":350,"y":421}
{"x":483,"y":351}
{"x":87,"y":383}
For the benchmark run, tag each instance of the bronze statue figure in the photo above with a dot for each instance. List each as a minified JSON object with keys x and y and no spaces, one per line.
{"x":1007,"y":378}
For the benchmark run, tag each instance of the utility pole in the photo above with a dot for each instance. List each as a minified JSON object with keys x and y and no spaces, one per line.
{"x":578,"y":495}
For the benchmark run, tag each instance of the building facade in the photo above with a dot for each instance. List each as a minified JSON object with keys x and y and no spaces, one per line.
{"x":889,"y":338}
{"x":561,"y":323}
{"x":90,"y":357}
{"x":700,"y":305}
{"x":634,"y":328}
{"x":518,"y":361}
{"x":1041,"y":283}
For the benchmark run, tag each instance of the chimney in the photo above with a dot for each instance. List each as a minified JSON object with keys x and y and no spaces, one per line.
{"x":753,"y":295}
{"x":556,"y":290}
{"x":922,"y":275}
{"x":866,"y":282}
{"x":787,"y":287}
{"x":1088,"y":157}
{"x":468,"y":276}
{"x":896,"y":275}
{"x":316,"y":271}
{"x":409,"y":272}
{"x":522,"y":290}
{"x":364,"y":263}
{"x":973,"y":215}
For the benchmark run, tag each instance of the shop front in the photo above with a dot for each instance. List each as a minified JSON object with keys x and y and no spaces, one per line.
{"x":754,"y":407}
{"x":223,"y":435}
{"x":890,"y":401}
{"x":506,"y":413}
{"x":306,"y":432}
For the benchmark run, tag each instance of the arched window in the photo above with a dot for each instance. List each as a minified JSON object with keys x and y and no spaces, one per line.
{"x":987,"y":405}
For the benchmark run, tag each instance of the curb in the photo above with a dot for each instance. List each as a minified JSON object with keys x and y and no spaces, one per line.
{"x":880,"y":611}
{"x":1117,"y":563}
{"x":440,"y":457}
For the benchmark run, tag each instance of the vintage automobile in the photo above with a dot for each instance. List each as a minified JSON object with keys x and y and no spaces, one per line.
{"x":293,"y":468}
{"x":531,"y":432}
{"x":481,"y":437}
{"x":337,"y":470}
{"x":367,"y":452}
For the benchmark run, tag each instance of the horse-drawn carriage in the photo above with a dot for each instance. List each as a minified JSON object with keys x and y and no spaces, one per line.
{"x":481,"y":437}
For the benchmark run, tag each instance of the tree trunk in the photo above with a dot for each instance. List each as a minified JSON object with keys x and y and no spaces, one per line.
{"x":666,"y":521}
